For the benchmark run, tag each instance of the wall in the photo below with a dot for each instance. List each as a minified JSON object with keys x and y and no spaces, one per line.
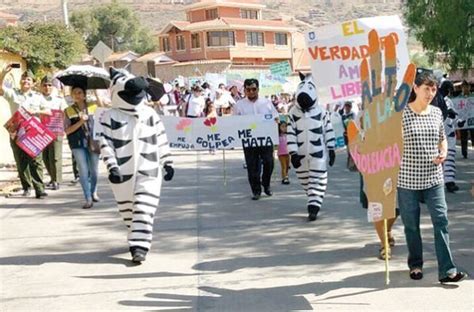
{"x":241,"y":50}
{"x":169,"y":72}
{"x":6,"y":157}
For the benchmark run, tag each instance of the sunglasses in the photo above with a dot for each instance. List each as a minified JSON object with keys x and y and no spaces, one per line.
{"x":251,"y":89}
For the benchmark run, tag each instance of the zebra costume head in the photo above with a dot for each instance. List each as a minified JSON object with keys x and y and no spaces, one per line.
{"x":306,"y":94}
{"x":128,"y":92}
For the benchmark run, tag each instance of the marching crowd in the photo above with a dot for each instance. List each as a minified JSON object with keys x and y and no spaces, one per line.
{"x":202,"y":100}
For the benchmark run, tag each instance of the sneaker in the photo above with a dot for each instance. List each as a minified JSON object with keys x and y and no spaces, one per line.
{"x":256,"y":196}
{"x":95,"y":198}
{"x":55,"y":186}
{"x":285,"y":181}
{"x":87,"y":205}
{"x":74,"y":181}
{"x":26,"y":193}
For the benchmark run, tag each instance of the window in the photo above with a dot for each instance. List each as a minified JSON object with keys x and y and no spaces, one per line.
{"x":220,"y":38}
{"x":255,"y":39}
{"x":180,"y":43}
{"x":211,"y":14}
{"x":165,"y":44}
{"x":195,"y":41}
{"x":281,"y":39}
{"x":250,"y":14}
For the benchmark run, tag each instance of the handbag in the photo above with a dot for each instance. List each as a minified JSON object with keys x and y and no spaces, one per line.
{"x":92,"y":145}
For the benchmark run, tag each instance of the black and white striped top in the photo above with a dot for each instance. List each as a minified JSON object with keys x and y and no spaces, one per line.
{"x":421,"y":137}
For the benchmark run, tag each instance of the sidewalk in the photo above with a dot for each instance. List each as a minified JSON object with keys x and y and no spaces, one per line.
{"x":215,"y":249}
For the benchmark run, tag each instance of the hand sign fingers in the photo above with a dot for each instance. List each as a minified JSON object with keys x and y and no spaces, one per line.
{"x":365,"y":80}
{"x":375,"y":63}
{"x":403,"y":92}
{"x":390,"y":66}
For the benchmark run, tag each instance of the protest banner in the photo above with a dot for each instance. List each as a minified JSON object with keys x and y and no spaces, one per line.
{"x":464,"y":106}
{"x":282,"y":69}
{"x":220,"y":132}
{"x":13,"y":124}
{"x":337,"y":50}
{"x":377,"y":146}
{"x":378,"y":154}
{"x":33,"y":137}
{"x":54,"y":122}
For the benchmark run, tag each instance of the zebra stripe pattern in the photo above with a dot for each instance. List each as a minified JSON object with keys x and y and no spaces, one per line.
{"x":133,"y":139}
{"x":449,"y":165}
{"x":310,"y":134}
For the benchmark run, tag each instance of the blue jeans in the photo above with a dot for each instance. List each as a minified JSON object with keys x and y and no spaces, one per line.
{"x":88,"y":167}
{"x":409,"y":202}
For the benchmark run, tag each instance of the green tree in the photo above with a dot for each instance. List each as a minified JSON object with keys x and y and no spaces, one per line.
{"x":114,"y":24}
{"x":444,"y":26}
{"x":43,"y":45}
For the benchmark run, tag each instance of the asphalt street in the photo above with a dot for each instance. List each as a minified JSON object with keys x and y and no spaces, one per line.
{"x":215,"y":249}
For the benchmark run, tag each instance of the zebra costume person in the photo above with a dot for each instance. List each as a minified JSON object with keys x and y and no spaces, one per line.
{"x":134,"y":147}
{"x":449,"y":166}
{"x":311,"y":141}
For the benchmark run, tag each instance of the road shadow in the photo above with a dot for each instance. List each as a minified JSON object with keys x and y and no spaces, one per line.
{"x":280,"y":298}
{"x":99,"y":257}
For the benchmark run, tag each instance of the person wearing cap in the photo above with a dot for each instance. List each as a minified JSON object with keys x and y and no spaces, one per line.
{"x":52,"y":154}
{"x":465,"y":133}
{"x":30,"y":170}
{"x":195,"y":103}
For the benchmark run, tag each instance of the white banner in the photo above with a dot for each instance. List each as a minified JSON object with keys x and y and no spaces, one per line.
{"x":464,"y":106}
{"x":220,"y":132}
{"x":337,"y":50}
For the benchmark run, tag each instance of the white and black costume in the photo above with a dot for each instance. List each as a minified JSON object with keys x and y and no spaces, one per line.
{"x":134,"y":147}
{"x":449,"y":165}
{"x":310,"y":136}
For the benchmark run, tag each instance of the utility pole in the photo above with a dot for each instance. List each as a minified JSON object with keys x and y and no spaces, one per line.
{"x":65,"y":13}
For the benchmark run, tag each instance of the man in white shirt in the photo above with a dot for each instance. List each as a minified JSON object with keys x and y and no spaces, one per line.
{"x":52,"y":154}
{"x":255,"y":157}
{"x":30,"y":170}
{"x":196,"y":103}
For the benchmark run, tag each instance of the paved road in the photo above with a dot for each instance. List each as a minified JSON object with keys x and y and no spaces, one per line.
{"x":216,"y":250}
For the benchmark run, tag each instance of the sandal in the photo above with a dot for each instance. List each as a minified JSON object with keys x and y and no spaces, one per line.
{"x":383,"y":253}
{"x":416,"y":274}
{"x":391,"y":240}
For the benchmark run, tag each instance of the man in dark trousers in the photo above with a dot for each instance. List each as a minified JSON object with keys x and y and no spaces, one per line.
{"x":255,"y":157}
{"x":30,"y":170}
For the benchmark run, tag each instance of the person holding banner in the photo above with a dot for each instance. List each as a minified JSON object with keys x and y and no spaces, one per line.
{"x":195,"y":103}
{"x":78,"y":125}
{"x":421,"y":177}
{"x":54,"y":106}
{"x":30,"y":170}
{"x":257,"y":156}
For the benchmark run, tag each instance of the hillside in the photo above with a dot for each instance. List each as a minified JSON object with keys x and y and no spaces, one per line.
{"x":156,"y":13}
